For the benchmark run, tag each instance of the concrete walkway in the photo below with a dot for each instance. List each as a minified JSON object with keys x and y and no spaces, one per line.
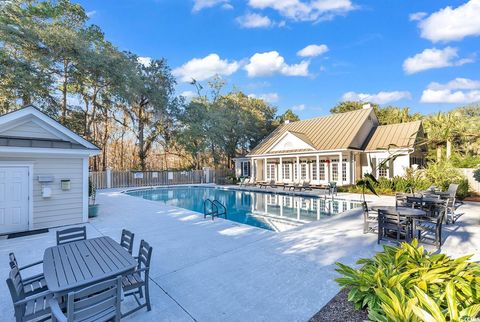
{"x":220,"y":270}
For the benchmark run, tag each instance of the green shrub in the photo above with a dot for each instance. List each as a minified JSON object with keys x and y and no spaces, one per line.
{"x":407,"y":284}
{"x":476,"y":175}
{"x":442,"y":174}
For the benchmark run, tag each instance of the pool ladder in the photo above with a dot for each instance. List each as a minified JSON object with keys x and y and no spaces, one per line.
{"x":214,"y":208}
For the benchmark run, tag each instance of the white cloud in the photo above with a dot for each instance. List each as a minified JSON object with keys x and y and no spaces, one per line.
{"x":417,"y":16}
{"x":145,"y":61}
{"x":305,"y":10}
{"x":188,"y":94}
{"x":299,"y":107}
{"x":203,"y":4}
{"x":204,"y":68}
{"x":458,"y":90}
{"x":434,"y":58}
{"x":312,"y":50}
{"x":378,"y":98}
{"x":450,"y":23}
{"x":254,"y":20}
{"x":92,"y":13}
{"x":267,"y":97}
{"x":271,"y":63}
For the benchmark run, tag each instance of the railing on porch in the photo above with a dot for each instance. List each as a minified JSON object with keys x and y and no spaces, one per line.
{"x":127,"y":179}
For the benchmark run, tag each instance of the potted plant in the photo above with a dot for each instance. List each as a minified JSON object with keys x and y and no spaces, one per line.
{"x":92,"y":205}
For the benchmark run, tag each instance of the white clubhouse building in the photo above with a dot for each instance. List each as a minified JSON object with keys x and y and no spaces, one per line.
{"x":339,"y":148}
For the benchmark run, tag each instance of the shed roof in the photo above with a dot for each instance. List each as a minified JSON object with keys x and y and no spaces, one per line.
{"x":332,"y":132}
{"x":401,"y":135}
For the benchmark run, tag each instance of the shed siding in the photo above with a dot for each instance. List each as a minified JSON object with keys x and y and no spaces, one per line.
{"x":63,"y":207}
{"x":29,"y":130}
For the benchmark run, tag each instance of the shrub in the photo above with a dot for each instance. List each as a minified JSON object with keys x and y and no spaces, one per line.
{"x":476,"y":175}
{"x":442,"y":174}
{"x":407,"y":284}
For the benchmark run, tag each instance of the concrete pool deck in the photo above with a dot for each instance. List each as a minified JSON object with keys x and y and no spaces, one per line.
{"x":220,"y":270}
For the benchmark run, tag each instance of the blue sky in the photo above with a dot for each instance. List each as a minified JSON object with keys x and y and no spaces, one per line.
{"x":422,"y":54}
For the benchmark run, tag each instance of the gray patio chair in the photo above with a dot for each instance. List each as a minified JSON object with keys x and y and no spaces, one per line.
{"x":32,"y":284}
{"x":430,"y":229}
{"x":401,"y":199}
{"x":370,"y":219}
{"x":391,"y":226}
{"x":135,"y":283}
{"x":452,"y":200}
{"x":126,"y":241}
{"x":27,"y":307}
{"x":98,"y":302}
{"x":71,"y":235}
{"x":332,"y":188}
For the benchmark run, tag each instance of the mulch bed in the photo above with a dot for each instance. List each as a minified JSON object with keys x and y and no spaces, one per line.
{"x":339,"y":309}
{"x":473,"y":197}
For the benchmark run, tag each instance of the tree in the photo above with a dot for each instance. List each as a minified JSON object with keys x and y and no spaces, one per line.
{"x":149,"y":102}
{"x":288,"y":115}
{"x":348,"y":106}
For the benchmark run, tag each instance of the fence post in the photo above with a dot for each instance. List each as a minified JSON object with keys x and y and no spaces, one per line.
{"x":206,"y":173}
{"x":109,"y":178}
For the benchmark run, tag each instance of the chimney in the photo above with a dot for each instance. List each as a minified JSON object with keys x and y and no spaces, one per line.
{"x":366,"y":106}
{"x":286,"y":121}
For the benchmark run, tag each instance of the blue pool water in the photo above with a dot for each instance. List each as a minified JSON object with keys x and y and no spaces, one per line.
{"x":278,"y":212}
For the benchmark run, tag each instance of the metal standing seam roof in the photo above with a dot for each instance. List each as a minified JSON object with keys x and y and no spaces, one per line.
{"x":401,"y":135}
{"x":332,"y":132}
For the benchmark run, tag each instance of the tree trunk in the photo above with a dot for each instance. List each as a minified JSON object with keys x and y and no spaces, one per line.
{"x":449,"y":149}
{"x":63,"y":118}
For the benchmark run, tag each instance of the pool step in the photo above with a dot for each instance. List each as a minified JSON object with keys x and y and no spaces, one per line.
{"x":214,"y":209}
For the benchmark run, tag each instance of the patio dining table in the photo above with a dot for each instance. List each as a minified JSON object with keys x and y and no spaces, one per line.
{"x":411,"y":214}
{"x":78,"y":264}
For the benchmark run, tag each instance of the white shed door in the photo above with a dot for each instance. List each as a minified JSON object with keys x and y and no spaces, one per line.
{"x":13,"y":199}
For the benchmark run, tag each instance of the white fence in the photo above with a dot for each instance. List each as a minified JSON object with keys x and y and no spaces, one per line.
{"x":126,"y":179}
{"x":474,"y":185}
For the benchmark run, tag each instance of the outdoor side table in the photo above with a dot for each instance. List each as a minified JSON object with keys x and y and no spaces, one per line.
{"x":78,"y":264}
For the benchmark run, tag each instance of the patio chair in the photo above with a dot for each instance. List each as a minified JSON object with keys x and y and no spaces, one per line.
{"x":267,"y":184}
{"x":332,"y":188}
{"x":391,"y":226}
{"x":414,"y":202}
{"x":134,"y":283}
{"x":33,"y":284}
{"x":27,"y":307}
{"x":98,"y":302}
{"x":126,"y":241}
{"x":71,"y":235}
{"x":370,"y":219}
{"x":452,"y":200}
{"x":242,"y":181}
{"x":401,"y":199}
{"x":430,"y":229}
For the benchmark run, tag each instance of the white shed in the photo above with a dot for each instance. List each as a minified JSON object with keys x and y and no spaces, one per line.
{"x":43,"y":172}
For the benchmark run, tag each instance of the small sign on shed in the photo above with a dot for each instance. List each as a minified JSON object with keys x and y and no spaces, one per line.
{"x":138,"y":175}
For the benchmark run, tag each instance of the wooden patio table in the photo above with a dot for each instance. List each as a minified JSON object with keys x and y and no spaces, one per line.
{"x":78,"y":264}
{"x":411,"y":214}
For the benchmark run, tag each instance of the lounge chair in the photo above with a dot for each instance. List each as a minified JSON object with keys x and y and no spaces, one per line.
{"x":332,"y":188}
{"x":267,"y":184}
{"x":306,"y":185}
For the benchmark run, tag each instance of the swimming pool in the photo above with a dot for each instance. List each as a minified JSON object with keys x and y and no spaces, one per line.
{"x":267,"y":210}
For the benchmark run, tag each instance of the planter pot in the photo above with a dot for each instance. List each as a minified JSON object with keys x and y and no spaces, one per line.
{"x":93,"y":211}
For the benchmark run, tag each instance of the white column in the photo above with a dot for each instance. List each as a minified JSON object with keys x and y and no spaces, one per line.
{"x":349,"y":168}
{"x":318,"y":168}
{"x":265,"y":169}
{"x":280,"y":171}
{"x":340,"y":170}
{"x":109,"y":178}
{"x":298,"y":169}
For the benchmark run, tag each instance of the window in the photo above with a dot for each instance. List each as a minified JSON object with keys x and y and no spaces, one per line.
{"x":344,"y":170}
{"x":271,"y":171}
{"x":303,"y":171}
{"x":313,"y":167}
{"x":245,"y":168}
{"x":382,"y":169}
{"x":295,"y":171}
{"x":334,"y":164}
{"x":286,"y":171}
{"x":322,"y":169}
